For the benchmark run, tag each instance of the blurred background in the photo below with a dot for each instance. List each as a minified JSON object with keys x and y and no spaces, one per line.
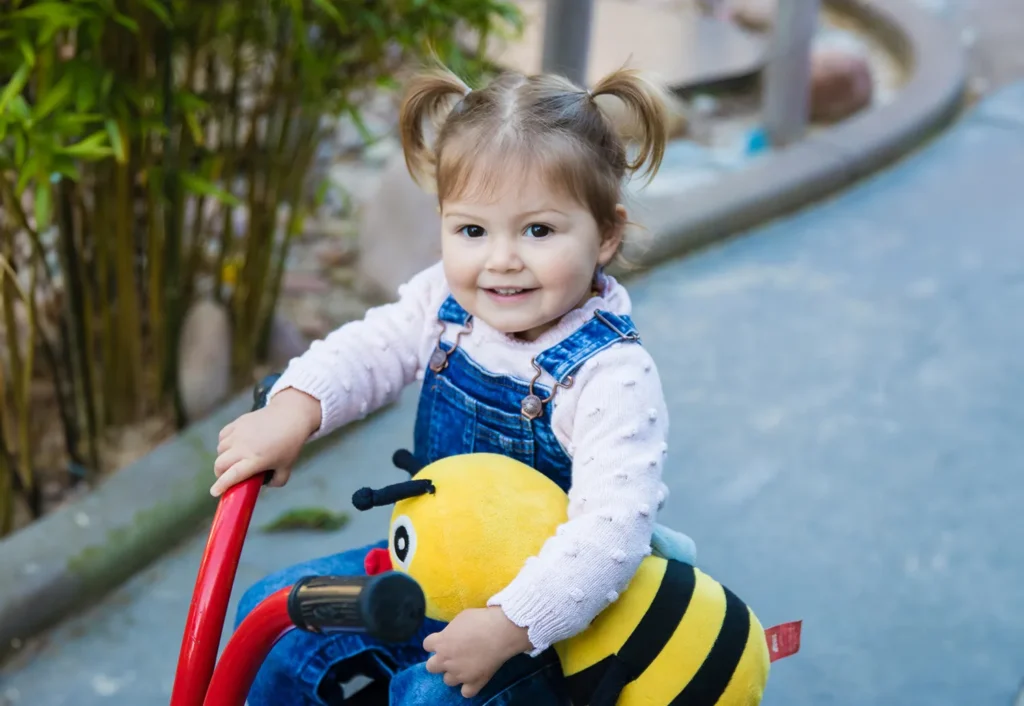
{"x":191,"y":192}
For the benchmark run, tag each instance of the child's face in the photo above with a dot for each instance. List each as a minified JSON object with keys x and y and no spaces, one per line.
{"x":523,"y":257}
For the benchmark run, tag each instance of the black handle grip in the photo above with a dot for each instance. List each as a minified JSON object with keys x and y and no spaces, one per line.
{"x":259,"y":400}
{"x":389,"y":607}
{"x":262,"y":390}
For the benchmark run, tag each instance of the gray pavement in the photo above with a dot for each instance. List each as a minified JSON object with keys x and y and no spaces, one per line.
{"x":846,"y":389}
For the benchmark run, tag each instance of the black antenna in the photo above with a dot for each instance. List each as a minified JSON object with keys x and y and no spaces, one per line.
{"x":404,"y":459}
{"x":366,"y":498}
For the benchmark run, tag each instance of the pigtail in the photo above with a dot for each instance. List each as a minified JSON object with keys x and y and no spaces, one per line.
{"x":649,"y":105}
{"x":429,"y":96}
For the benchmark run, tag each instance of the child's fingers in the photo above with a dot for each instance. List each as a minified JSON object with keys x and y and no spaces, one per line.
{"x":450,"y":679}
{"x":280,"y":477}
{"x":429,"y":645}
{"x":227,"y":459}
{"x":226,"y":431}
{"x":469,"y":691}
{"x":224,"y":443}
{"x":237,"y":473}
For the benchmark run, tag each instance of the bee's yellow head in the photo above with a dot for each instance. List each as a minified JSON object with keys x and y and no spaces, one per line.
{"x":464,"y":526}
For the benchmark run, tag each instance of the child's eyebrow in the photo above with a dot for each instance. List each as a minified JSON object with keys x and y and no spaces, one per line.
{"x":544,"y":210}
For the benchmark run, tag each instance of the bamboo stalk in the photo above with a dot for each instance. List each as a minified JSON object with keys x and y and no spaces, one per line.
{"x":295,"y":180}
{"x":171,"y":294}
{"x":156,"y":281}
{"x":81,"y":302}
{"x":8,"y":294}
{"x":195,"y":256}
{"x":101,"y":239}
{"x":12,"y":204}
{"x":7,"y":469}
{"x":229,"y":136}
{"x":21,"y":369}
{"x":260,"y":241}
{"x":129,"y":330}
{"x":24,"y":440}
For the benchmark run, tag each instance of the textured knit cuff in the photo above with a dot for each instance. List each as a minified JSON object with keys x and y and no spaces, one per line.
{"x":317,"y":384}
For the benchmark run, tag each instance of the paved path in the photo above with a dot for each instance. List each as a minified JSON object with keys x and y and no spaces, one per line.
{"x":847,"y":396}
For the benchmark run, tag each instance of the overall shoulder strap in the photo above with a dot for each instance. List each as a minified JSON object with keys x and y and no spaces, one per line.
{"x":451,"y":312}
{"x":604,"y":330}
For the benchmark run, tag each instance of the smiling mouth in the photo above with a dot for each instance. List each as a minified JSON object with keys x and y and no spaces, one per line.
{"x":507,"y":293}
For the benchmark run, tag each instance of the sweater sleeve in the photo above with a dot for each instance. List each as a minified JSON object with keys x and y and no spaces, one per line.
{"x":620,"y":427}
{"x":364,"y":364}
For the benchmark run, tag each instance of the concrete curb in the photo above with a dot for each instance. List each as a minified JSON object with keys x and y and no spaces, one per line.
{"x":834,"y":158}
{"x":77,"y":554}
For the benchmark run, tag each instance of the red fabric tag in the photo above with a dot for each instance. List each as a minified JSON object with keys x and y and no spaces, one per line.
{"x":377,"y":561}
{"x":783,"y":640}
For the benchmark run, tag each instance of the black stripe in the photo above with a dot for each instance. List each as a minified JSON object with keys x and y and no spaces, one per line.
{"x":661,"y":619}
{"x":707,"y":685}
{"x":647,"y":640}
{"x":583,"y":684}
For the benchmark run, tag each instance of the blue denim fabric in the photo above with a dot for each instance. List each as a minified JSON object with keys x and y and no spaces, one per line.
{"x":462,"y":409}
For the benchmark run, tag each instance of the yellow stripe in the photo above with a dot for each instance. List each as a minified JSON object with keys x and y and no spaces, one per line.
{"x":686,"y":649}
{"x":747,"y":684}
{"x":616,"y":623}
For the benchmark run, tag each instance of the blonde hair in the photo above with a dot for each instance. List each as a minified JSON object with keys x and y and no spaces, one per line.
{"x":525,"y":122}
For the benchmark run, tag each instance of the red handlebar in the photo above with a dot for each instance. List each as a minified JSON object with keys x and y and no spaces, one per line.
{"x":209,"y":606}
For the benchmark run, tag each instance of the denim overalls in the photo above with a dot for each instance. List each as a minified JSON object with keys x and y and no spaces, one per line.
{"x":462,"y":409}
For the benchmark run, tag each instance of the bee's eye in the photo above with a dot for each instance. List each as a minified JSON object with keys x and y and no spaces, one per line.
{"x":403,"y":541}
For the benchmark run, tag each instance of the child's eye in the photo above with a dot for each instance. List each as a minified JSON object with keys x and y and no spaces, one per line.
{"x":472,"y":231}
{"x":538,"y":230}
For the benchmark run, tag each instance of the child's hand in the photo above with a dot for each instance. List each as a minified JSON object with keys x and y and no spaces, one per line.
{"x":473,"y":647}
{"x":267,"y":439}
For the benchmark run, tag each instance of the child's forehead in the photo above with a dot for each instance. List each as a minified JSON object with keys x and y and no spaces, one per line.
{"x":524,"y":190}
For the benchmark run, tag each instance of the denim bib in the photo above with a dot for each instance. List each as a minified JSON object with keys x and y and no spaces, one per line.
{"x":464,"y":408}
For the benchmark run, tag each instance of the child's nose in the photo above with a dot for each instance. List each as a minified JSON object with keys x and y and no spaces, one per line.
{"x":503,"y":255}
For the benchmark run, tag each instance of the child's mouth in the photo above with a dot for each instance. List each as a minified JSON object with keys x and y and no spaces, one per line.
{"x":508,"y":294}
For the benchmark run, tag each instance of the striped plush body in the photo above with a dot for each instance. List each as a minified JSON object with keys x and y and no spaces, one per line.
{"x":675,"y":637}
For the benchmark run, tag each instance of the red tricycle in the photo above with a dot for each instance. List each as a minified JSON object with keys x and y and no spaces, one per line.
{"x":389,"y":606}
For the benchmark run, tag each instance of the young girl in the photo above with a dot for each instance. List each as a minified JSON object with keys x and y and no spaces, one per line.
{"x":525,"y":348}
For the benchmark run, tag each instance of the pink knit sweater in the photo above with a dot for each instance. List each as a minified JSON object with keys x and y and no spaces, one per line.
{"x":612,"y":422}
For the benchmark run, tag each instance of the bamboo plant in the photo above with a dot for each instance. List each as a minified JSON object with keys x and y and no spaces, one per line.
{"x":148,"y":147}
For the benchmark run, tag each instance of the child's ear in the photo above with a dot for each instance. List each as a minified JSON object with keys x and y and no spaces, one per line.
{"x":612,"y":239}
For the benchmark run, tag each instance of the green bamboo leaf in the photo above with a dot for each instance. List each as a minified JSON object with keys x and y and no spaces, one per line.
{"x":27,"y":51}
{"x":58,"y":13}
{"x":43,"y":203}
{"x":194,"y":127}
{"x":92,"y":147}
{"x":20,"y":148}
{"x":204,"y":187}
{"x":106,"y":83}
{"x":357,"y":121}
{"x":331,"y":11}
{"x":20,"y":109}
{"x":27,"y":171}
{"x":15,"y":86}
{"x":67,"y":167}
{"x":158,"y":9}
{"x":126,"y":21}
{"x":376,"y":23}
{"x":116,"y":141}
{"x":53,"y":98}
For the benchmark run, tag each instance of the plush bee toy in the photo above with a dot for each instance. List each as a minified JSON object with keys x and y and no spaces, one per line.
{"x":463,"y":527}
